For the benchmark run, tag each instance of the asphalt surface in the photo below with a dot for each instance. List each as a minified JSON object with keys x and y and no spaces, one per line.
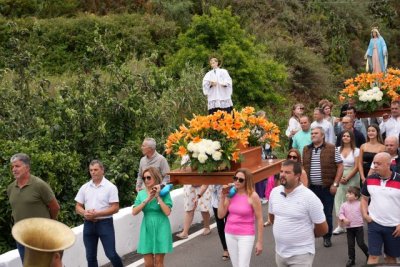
{"x":207,"y":251}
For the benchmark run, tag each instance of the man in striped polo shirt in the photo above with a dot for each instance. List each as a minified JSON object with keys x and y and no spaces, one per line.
{"x":383,"y":212}
{"x":324,"y":168}
{"x":297,"y":217}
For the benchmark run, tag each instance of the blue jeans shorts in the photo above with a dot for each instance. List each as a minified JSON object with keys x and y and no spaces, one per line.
{"x":378,"y":236}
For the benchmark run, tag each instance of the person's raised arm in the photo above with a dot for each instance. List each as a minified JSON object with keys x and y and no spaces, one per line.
{"x":223,"y":202}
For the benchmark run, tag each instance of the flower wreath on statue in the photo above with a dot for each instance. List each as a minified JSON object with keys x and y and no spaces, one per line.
{"x":212,"y":142}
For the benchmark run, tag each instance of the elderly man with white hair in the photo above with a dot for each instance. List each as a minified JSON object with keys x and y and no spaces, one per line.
{"x":151,"y":158}
{"x":382,"y":188}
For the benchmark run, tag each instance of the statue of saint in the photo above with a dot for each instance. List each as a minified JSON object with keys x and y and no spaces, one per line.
{"x":377,"y":53}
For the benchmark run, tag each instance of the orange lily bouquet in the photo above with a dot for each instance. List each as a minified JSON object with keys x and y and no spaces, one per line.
{"x":212,"y":141}
{"x":372,"y":90}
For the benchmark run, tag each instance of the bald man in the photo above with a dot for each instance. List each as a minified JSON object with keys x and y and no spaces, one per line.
{"x":383,"y":212}
{"x":391,"y":147}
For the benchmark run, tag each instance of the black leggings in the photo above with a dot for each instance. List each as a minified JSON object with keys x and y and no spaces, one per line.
{"x":221,"y":228}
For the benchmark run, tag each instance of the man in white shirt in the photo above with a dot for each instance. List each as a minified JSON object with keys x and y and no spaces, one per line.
{"x":326,"y":125}
{"x":97,"y":201}
{"x":391,"y":126}
{"x":217,"y":86}
{"x":297,"y":216}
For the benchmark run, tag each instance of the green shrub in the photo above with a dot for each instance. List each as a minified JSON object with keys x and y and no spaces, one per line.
{"x":73,"y":44}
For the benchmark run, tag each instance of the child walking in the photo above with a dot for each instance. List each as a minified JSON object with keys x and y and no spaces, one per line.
{"x":351,"y":218}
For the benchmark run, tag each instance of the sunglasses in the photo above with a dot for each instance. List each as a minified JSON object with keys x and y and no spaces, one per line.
{"x":301,"y":108}
{"x":238,"y":179}
{"x":291,"y":157}
{"x":148,"y":178}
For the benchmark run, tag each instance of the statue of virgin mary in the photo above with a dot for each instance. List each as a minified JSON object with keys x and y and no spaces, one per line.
{"x":377,"y":54}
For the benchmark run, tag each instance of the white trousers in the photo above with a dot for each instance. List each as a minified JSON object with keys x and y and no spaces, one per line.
{"x":240,"y":248}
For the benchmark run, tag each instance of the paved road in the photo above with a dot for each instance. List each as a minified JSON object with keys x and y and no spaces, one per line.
{"x":206,"y":251}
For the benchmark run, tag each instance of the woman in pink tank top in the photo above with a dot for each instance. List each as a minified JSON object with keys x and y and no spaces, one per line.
{"x":244,"y":209}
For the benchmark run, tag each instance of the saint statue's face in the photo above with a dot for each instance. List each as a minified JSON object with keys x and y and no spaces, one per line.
{"x":374,"y":34}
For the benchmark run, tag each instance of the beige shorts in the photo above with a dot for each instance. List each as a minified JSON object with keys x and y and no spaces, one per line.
{"x":190,"y":197}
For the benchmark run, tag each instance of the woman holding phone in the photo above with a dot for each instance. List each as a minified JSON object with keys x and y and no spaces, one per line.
{"x":244,"y":209}
{"x":155,"y":231}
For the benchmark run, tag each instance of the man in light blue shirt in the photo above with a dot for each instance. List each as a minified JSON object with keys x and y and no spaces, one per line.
{"x":302,"y":138}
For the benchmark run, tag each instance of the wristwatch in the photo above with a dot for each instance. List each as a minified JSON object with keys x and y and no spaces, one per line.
{"x":198,"y":196}
{"x":335,"y":184}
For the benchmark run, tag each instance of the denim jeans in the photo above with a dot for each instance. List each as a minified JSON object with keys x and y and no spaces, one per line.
{"x":327,"y":200}
{"x":103,"y":229}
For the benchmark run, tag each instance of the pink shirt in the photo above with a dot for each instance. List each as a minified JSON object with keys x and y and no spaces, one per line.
{"x":241,"y":218}
{"x":352,"y":212}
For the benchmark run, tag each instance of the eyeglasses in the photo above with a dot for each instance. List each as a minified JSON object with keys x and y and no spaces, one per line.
{"x":148,"y":178}
{"x":238,"y":179}
{"x":301,"y":108}
{"x":291,"y":157}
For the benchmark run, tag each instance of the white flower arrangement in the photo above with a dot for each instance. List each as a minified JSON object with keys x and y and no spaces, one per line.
{"x":204,"y":149}
{"x":373,"y":94}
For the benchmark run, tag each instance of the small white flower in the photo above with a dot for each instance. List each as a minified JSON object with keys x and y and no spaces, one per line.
{"x":216,"y":155}
{"x":190,"y":147}
{"x":216,"y":145}
{"x":202,"y":158}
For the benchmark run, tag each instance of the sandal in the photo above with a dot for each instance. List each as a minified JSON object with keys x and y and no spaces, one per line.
{"x":182,"y":236}
{"x":206,"y":231}
{"x":225,"y":257}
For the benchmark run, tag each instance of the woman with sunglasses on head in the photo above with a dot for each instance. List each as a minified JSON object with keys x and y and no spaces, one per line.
{"x":155,"y":238}
{"x":244,"y":209}
{"x":350,"y":155}
{"x":294,"y":122}
{"x":294,"y":155}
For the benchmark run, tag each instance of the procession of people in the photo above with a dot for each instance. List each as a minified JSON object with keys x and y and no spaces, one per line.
{"x":335,"y":168}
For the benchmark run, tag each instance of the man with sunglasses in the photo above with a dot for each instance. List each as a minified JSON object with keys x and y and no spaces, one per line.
{"x":97,"y":201}
{"x":324,"y":167}
{"x":297,"y":217}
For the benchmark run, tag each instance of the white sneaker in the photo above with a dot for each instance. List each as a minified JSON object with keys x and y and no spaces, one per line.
{"x":339,"y":230}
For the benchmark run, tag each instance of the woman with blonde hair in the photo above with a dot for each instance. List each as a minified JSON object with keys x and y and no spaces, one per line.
{"x":244,"y":208}
{"x":155,"y":238}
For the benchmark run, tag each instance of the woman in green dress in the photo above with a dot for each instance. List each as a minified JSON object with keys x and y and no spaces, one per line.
{"x":155,"y":231}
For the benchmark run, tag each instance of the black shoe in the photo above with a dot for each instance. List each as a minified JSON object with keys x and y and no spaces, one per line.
{"x":327,"y":242}
{"x":350,"y":262}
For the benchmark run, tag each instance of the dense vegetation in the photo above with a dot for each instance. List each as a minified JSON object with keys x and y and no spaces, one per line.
{"x":84,"y":79}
